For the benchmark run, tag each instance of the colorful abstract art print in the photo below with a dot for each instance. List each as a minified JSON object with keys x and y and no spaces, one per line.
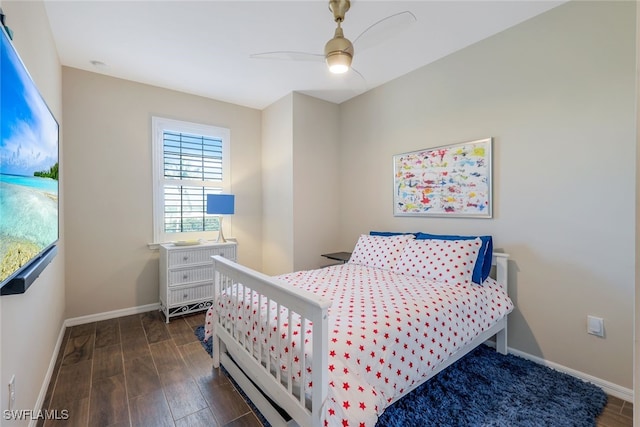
{"x":447,"y":181}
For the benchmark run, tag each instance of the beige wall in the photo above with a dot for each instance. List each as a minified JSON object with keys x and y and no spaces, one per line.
{"x":636,"y":342}
{"x":108,"y":205}
{"x":558,"y":95}
{"x":316,"y":187}
{"x":31,"y":322}
{"x":277,"y":186}
{"x":300,"y":183}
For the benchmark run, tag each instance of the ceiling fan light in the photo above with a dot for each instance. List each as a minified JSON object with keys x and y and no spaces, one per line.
{"x":339,"y":62}
{"x":338,"y":52}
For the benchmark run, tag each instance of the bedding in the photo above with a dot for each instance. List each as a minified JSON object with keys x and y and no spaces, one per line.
{"x":387,"y":331}
{"x":482,"y":267}
{"x":379,"y":251}
{"x":448,"y":261}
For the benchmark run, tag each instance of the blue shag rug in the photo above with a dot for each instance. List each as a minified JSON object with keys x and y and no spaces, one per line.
{"x":486,"y":388}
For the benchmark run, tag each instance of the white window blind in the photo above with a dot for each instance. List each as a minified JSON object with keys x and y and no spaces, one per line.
{"x":190,"y":161}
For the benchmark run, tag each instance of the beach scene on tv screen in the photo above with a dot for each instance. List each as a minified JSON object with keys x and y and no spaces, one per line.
{"x":28,"y":167}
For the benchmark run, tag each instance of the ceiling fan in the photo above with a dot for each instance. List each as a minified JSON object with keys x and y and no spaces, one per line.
{"x":339,"y":51}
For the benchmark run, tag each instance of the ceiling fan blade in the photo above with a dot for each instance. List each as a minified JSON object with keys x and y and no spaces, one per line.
{"x":383,"y":30}
{"x":356,"y":72}
{"x":289,"y":56}
{"x":358,"y":81}
{"x":352,"y":80}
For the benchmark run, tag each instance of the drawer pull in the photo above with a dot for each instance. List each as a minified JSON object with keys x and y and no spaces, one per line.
{"x":185,"y":296}
{"x":184,"y":258}
{"x":185,"y":276}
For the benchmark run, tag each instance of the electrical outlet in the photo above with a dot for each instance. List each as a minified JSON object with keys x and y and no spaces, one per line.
{"x":12,"y":392}
{"x":595,"y":326}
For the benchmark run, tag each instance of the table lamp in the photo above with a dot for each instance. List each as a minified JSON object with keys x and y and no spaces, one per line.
{"x":220,"y":204}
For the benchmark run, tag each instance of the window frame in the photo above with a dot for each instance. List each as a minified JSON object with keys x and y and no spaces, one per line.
{"x":158,"y":126}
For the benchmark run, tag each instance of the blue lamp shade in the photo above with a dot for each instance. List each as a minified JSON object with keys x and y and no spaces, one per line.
{"x":220,"y":204}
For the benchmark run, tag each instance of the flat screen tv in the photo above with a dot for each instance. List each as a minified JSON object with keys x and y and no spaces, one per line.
{"x":28,"y":175}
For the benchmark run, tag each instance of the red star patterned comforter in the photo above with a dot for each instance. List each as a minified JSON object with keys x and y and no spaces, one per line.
{"x":387,"y":331}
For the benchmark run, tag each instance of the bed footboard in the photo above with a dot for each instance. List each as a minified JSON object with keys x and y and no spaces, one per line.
{"x":252,"y":364}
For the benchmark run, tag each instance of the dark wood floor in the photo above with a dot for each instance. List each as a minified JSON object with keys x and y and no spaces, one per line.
{"x":617,"y":413}
{"x":139,"y":371}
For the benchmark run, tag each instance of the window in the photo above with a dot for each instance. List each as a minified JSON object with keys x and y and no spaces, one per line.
{"x":189,"y":161}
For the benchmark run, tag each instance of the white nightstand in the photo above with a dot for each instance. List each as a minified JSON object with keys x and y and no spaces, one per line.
{"x":186,"y":276}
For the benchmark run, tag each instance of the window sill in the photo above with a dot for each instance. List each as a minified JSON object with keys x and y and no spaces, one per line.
{"x":156,"y":246}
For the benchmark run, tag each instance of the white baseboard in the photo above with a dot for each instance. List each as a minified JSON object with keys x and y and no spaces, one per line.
{"x":608,"y":387}
{"x":48,"y":375}
{"x":74,"y":321}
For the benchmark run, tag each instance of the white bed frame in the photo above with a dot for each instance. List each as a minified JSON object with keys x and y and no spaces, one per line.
{"x":255,"y":374}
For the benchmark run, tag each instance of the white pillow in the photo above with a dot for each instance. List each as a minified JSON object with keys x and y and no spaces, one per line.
{"x":447,"y":261}
{"x":379,"y":251}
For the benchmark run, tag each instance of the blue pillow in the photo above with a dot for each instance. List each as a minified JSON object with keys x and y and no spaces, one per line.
{"x":483,"y":265}
{"x":386,"y":233}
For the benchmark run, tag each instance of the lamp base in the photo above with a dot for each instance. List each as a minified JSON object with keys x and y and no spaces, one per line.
{"x":220,"y":238}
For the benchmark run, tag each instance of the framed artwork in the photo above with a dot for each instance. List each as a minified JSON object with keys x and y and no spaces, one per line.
{"x":447,"y":181}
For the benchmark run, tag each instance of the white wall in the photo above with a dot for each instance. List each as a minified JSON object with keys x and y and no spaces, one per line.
{"x":558,"y":95}
{"x":108,"y":200}
{"x":31,"y":322}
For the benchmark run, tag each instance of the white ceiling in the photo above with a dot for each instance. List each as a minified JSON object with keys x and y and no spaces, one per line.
{"x":203,"y":47}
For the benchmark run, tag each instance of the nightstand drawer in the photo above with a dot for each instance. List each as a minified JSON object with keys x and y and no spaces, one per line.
{"x":190,"y":275}
{"x":191,"y":293}
{"x":182,"y":258}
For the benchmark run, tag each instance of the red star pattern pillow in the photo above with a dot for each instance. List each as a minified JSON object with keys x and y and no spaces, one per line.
{"x":447,"y":261}
{"x":379,"y":251}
